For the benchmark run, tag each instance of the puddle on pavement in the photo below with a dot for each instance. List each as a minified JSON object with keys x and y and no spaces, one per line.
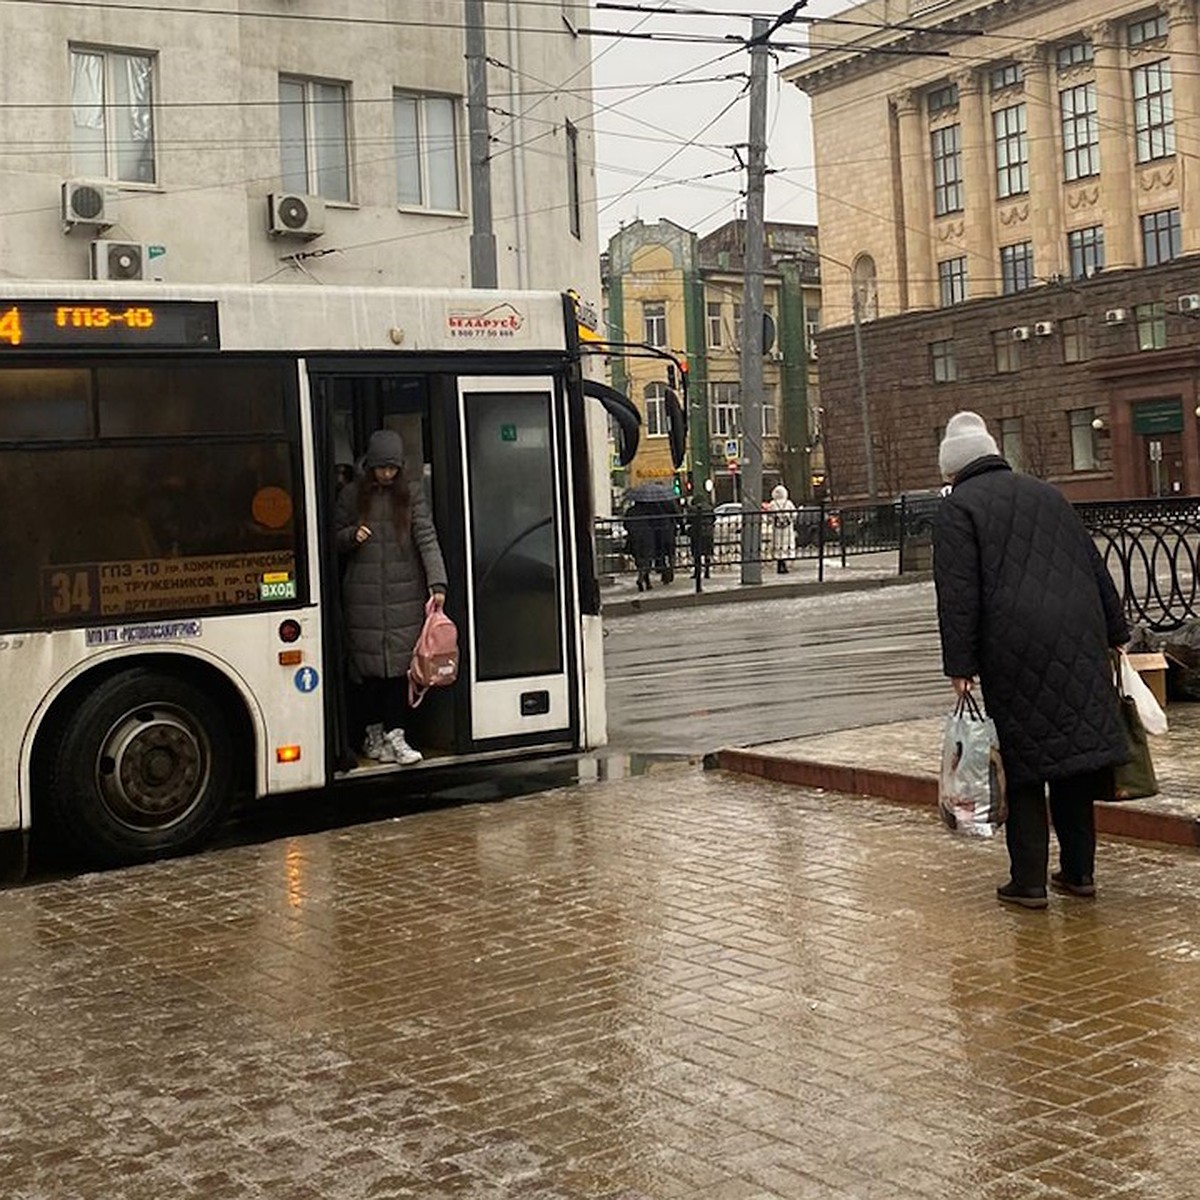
{"x":337,"y":807}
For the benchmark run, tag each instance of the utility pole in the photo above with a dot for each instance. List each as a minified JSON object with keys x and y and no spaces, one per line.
{"x":864,"y":403}
{"x":483,"y":239}
{"x":752,"y":310}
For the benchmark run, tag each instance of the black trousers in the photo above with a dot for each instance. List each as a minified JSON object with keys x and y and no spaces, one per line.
{"x":1027,"y":830}
{"x":381,"y":702}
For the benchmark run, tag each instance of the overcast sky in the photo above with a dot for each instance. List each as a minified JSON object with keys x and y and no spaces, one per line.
{"x":655,"y":144}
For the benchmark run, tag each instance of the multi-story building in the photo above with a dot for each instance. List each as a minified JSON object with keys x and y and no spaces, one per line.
{"x":668,"y":287}
{"x":292,"y":142}
{"x":1003,"y":198}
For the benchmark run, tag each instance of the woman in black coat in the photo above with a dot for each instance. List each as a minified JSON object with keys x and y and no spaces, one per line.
{"x":1026,"y":604}
{"x":392,"y":565}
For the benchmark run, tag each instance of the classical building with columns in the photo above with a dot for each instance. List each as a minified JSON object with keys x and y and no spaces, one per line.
{"x":1009,"y":196}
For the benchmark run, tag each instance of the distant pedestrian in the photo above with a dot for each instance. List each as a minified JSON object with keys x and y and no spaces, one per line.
{"x":702,"y":525}
{"x":1026,"y":604}
{"x":781,"y":520}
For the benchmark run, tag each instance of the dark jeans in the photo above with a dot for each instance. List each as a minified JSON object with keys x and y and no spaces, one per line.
{"x":1028,"y":833}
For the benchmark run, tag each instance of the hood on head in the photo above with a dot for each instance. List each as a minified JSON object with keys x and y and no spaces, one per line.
{"x":385,"y":449}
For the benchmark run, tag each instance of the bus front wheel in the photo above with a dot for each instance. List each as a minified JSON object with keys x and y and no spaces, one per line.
{"x":142,"y":767}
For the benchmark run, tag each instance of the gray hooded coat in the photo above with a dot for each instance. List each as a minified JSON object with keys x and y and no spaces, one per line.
{"x":386,"y":580}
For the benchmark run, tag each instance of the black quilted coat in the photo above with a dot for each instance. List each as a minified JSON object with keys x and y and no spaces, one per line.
{"x":1026,"y":604}
{"x":386,"y":582}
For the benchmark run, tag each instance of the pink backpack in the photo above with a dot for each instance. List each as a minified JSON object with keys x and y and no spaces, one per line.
{"x":435,"y":656}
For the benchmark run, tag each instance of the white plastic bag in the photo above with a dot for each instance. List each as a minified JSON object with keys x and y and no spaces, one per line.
{"x":971,"y":798}
{"x":1154,"y":720}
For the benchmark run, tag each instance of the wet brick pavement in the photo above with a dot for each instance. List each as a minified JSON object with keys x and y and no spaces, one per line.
{"x":901,"y":760}
{"x":684,"y":985}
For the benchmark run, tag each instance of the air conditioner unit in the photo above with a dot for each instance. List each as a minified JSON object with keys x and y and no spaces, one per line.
{"x":1043,"y":328}
{"x":293,"y":215}
{"x":1021,"y":333}
{"x":1189,"y":303}
{"x":88,"y":204}
{"x":134,"y":261}
{"x":1115,"y":316}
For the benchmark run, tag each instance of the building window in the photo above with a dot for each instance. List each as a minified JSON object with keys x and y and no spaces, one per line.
{"x":1016,"y":267}
{"x":770,"y":412}
{"x":941,"y":99}
{"x":1007,"y":351}
{"x":112,"y":115}
{"x":1074,"y":347}
{"x":1074,"y":54}
{"x":715,"y":325}
{"x":654,"y":322}
{"x":1010,"y":442}
{"x":952,"y":281}
{"x":725,"y":409}
{"x":1012,"y":151}
{"x":426,"y":152}
{"x":655,"y":398}
{"x":1147,"y":30}
{"x":1080,"y":131}
{"x":812,"y":326}
{"x":737,"y":325}
{"x":1151,"y":325}
{"x":1153,"y":111}
{"x":1086,"y":250}
{"x":1161,"y":239}
{"x":1083,"y":440}
{"x":947,"y":170}
{"x":574,"y":220}
{"x":312,"y":136}
{"x":942,"y":362}
{"x":1006,"y":76}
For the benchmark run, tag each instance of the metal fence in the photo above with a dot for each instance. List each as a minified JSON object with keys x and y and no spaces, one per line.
{"x":1151,"y":547}
{"x":696,"y":542}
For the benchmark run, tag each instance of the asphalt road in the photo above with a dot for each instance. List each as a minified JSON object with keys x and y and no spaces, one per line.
{"x":689,"y":681}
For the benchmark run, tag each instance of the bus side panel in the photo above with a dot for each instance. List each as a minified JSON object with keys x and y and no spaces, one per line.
{"x":593,"y":731}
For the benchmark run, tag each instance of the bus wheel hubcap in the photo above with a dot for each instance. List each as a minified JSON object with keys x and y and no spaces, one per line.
{"x":153,"y":767}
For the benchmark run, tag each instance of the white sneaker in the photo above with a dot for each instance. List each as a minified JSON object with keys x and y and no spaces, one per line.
{"x":377,"y":747}
{"x":403,"y":753}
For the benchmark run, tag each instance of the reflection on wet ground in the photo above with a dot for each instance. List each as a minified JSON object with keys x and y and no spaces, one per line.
{"x":684,"y":984}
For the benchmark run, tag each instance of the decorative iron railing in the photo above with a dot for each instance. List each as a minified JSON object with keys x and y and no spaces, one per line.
{"x":1151,"y":547}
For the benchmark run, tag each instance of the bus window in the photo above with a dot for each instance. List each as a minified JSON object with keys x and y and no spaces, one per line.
{"x":107,"y":529}
{"x":49,"y":403}
{"x":173,"y":398}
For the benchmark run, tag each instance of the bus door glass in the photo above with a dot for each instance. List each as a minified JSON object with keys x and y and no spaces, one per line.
{"x":514,"y":495}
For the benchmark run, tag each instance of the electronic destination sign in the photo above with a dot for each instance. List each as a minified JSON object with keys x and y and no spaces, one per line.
{"x":107,"y":325}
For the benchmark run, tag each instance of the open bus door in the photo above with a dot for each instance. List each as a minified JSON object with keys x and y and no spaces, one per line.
{"x":490,"y":453}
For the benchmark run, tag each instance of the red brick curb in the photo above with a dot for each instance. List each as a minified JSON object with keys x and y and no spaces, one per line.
{"x":1117,"y":820}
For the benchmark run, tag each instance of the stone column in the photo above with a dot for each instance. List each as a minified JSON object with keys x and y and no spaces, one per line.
{"x":1114,"y":104}
{"x":1185,"y":88}
{"x":917,"y":206}
{"x":983,"y":262}
{"x":1045,"y":167}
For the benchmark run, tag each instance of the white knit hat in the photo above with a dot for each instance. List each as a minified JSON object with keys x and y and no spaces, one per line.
{"x":966,"y":439}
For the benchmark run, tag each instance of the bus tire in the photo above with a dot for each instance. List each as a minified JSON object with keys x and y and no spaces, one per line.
{"x":141,"y":768}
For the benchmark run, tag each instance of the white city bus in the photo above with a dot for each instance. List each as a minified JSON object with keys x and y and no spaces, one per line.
{"x":169,"y":459}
